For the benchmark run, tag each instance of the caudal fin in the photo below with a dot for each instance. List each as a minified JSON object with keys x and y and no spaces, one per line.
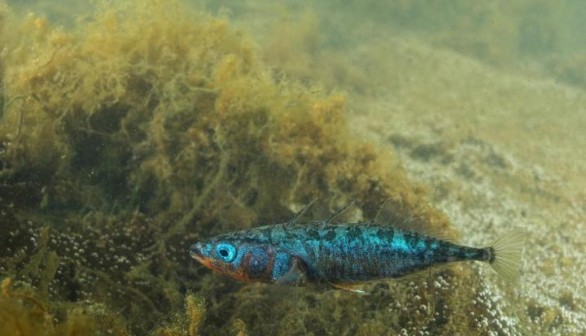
{"x":507,"y":254}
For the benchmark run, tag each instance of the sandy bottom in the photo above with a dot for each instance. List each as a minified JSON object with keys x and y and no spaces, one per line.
{"x":499,"y":152}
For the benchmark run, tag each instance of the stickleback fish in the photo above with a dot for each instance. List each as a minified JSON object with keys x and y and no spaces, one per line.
{"x":342,"y":255}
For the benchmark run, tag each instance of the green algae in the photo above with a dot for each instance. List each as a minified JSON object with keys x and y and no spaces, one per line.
{"x":126,"y":138}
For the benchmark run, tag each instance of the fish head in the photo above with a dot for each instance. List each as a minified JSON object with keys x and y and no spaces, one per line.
{"x":240,"y":260}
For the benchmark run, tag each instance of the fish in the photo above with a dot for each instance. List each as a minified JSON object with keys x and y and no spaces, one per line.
{"x":343,"y":255}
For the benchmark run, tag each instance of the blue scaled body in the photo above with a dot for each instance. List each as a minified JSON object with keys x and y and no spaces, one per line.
{"x":341,"y":254}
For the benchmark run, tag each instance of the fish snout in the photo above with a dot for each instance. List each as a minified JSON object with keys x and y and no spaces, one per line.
{"x":196,"y":251}
{"x":201,"y":251}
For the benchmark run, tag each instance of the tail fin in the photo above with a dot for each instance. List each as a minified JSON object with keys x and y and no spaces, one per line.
{"x":507,"y":250}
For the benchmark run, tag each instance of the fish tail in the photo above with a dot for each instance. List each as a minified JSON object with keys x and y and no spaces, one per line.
{"x":506,"y":254}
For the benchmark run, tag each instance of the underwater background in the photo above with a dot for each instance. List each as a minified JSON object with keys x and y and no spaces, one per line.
{"x":130,"y":129}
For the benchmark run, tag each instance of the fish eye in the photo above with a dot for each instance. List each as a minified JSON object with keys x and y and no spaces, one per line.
{"x":226,"y":252}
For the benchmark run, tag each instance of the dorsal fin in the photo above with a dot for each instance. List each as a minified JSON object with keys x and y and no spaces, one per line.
{"x":327,"y":221}
{"x":295,"y":220}
{"x":387,"y":216}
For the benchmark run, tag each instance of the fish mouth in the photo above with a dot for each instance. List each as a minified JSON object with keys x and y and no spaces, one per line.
{"x":197,"y":257}
{"x":195,"y":253}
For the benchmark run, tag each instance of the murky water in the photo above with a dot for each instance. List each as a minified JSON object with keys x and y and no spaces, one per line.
{"x":131,"y":129}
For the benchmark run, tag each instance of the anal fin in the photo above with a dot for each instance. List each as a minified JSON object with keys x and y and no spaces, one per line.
{"x":349,"y":288}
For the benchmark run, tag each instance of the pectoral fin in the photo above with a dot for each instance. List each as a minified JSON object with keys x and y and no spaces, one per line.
{"x":296,"y":275}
